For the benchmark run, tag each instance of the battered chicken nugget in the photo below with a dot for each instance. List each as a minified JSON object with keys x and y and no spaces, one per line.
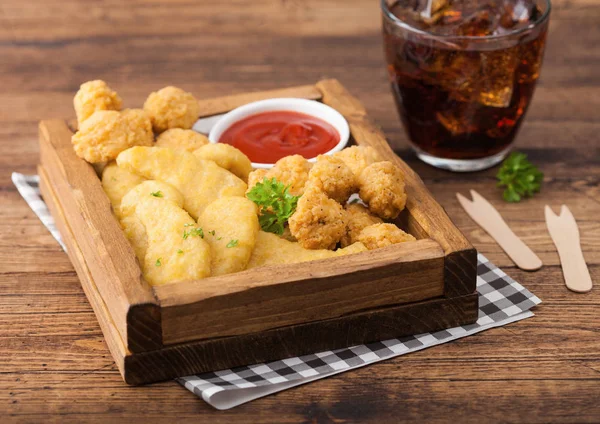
{"x":357,"y":158}
{"x":171,"y":107}
{"x":333,"y":177}
{"x":359,"y":217}
{"x":93,"y":96}
{"x":228,"y":157}
{"x":169,"y":255}
{"x":107,"y":133}
{"x":177,"y":138}
{"x":149,"y":188}
{"x":382,"y":187}
{"x":200,"y":181}
{"x":319,"y":222}
{"x":116,"y":183}
{"x":230,"y":226}
{"x":271,"y":249}
{"x":382,"y":235}
{"x":132,"y":227}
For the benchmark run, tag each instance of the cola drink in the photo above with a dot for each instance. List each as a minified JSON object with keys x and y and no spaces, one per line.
{"x":463,"y":74}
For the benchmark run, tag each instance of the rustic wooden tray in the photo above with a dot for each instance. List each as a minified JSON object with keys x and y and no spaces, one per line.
{"x":157,"y":333}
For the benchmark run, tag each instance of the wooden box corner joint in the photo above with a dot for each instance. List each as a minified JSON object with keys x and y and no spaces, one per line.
{"x":262,"y":314}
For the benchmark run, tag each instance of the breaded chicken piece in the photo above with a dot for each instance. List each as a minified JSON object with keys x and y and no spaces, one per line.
{"x":171,"y":107}
{"x":200,"y":181}
{"x":359,"y":217}
{"x":116,"y":183}
{"x":230,"y":226}
{"x":318,"y":222}
{"x":271,"y":249}
{"x":227,"y":157}
{"x":357,"y":158}
{"x":382,"y":188}
{"x":333,"y":177}
{"x":169,"y":255}
{"x":107,"y":133}
{"x":382,"y":235}
{"x":178,"y":138}
{"x":256,"y":176}
{"x":132,"y":227}
{"x":93,"y":96}
{"x":291,"y":171}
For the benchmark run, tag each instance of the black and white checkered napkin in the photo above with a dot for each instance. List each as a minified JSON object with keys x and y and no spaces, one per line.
{"x":501,"y":301}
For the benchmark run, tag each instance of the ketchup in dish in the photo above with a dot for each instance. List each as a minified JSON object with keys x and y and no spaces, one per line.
{"x":269,"y":136}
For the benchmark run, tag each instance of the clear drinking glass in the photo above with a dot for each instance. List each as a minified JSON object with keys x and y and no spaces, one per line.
{"x":463,"y":74}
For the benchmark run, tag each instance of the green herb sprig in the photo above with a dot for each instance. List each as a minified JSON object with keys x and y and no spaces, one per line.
{"x":519,"y":177}
{"x":275,"y":202}
{"x":157,"y":193}
{"x":232,"y":243}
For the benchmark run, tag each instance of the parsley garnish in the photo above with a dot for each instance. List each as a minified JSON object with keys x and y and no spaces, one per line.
{"x":232,"y":243}
{"x":199,"y":232}
{"x":275,"y":202}
{"x":519,"y":177}
{"x":158,"y":263}
{"x":179,"y":252}
{"x":157,"y":194}
{"x":212,"y":233}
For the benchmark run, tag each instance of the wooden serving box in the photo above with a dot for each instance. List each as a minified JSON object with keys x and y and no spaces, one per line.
{"x":262,"y":314}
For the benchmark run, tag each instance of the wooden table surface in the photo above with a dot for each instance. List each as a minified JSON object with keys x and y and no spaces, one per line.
{"x":53,"y":361}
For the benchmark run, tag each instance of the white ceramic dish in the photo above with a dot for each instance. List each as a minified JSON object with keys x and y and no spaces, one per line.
{"x":308,"y":107}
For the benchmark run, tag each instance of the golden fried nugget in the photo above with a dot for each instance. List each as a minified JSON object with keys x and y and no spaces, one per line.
{"x":319,"y":222}
{"x":382,"y":235}
{"x":230,"y":226}
{"x":132,"y":227}
{"x":177,"y":138}
{"x":382,"y":188}
{"x":107,"y":133}
{"x":333,"y":177}
{"x":93,"y":96}
{"x":169,"y":256}
{"x":256,"y":176}
{"x":136,"y":234}
{"x":359,"y":217}
{"x":171,"y":107}
{"x":200,"y":181}
{"x":227,"y":157}
{"x":149,"y":188}
{"x":116,"y":183}
{"x":357,"y":158}
{"x":271,"y":249}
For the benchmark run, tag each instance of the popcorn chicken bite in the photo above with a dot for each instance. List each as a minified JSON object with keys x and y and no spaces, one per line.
{"x":93,"y":96}
{"x":171,"y":107}
{"x":359,"y":217}
{"x":292,"y":171}
{"x":382,"y":187}
{"x":178,"y":138}
{"x":357,"y":158}
{"x":333,"y":177}
{"x":319,"y":222}
{"x":383,"y":235}
{"x":107,"y":133}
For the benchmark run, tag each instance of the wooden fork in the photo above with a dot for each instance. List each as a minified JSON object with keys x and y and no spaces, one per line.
{"x":488,"y":218}
{"x":565,"y":235}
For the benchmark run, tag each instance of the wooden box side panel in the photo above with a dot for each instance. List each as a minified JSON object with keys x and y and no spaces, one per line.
{"x":270,"y":297}
{"x":280,"y":343}
{"x":109,"y":328}
{"x":426,"y":217}
{"x":109,"y":256}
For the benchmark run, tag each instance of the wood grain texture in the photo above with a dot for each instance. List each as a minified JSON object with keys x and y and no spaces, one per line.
{"x":55,"y":365}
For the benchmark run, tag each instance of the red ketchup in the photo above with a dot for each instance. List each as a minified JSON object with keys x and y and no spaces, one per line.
{"x":269,"y":136}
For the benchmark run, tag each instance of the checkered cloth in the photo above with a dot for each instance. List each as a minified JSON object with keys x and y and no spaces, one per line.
{"x":501,"y":301}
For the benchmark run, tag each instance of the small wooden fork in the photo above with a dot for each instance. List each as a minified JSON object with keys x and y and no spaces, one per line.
{"x":565,"y":235}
